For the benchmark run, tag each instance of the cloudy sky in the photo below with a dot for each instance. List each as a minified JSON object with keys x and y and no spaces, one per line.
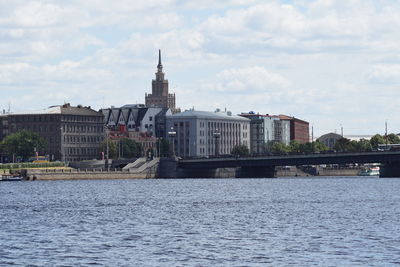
{"x":331,"y":62}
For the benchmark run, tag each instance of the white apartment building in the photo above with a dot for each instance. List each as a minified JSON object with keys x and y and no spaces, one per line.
{"x":204,"y":133}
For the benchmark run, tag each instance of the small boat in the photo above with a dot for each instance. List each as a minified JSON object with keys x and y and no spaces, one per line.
{"x":369,"y":171}
{"x":10,"y":178}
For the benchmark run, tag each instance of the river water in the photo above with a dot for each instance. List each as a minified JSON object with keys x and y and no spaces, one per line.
{"x":205,"y":222}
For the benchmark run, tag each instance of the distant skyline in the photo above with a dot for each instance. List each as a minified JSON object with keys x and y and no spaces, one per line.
{"x":333,"y":63}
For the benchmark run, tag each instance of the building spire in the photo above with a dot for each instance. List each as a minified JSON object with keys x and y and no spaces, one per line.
{"x":159,"y":66}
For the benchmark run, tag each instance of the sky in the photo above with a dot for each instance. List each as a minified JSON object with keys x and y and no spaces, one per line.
{"x":333,"y":63}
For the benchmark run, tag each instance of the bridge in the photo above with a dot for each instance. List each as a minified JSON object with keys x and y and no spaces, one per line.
{"x":265,"y":166}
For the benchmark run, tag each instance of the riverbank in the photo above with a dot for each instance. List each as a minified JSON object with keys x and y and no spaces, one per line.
{"x":167,"y":168}
{"x":316,"y":171}
{"x":150,"y":173}
{"x":33,"y":175}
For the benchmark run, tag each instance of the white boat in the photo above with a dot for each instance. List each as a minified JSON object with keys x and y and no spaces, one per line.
{"x":369,"y":171}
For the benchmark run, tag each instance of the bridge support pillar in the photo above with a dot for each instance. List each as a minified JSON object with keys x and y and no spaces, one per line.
{"x":168,"y":168}
{"x":197,"y":173}
{"x":256,"y":172}
{"x":390,"y":170}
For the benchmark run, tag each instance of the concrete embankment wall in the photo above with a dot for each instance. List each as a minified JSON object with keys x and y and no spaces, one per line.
{"x":318,"y":171}
{"x":149,"y":169}
{"x":168,"y":168}
{"x":218,"y":173}
{"x":86,"y":175}
{"x":290,"y":172}
{"x":338,"y":172}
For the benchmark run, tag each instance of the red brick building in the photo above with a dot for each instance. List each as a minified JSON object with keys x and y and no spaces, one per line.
{"x":299,"y":129}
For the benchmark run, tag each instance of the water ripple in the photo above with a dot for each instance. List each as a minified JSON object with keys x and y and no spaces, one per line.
{"x":221,"y":222}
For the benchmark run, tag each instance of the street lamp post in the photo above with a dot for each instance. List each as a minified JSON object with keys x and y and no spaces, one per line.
{"x":172,"y":135}
{"x":62,"y":149}
{"x":107,"y":167}
{"x":386,"y":136}
{"x":312,"y":138}
{"x":158,"y":147}
{"x":217,"y":136}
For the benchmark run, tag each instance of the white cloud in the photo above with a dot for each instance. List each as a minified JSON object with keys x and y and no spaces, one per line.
{"x":36,"y":14}
{"x":250,"y":80}
{"x":326,"y":61}
{"x":321,"y":25}
{"x":386,"y":73}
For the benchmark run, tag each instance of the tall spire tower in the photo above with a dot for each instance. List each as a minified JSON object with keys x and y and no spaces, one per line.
{"x":160,"y":97}
{"x":159,"y":66}
{"x":160,"y":73}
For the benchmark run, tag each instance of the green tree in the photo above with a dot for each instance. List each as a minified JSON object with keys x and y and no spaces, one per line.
{"x":319,"y":147}
{"x":163,"y":147}
{"x":343,"y":145}
{"x":295,"y":146}
{"x":240,"y":150}
{"x":307,"y":148}
{"x":376,"y":140}
{"x":362,"y":145}
{"x":280,"y":148}
{"x":23,"y":144}
{"x":267,"y":147}
{"x":112,"y":149}
{"x":130,"y":148}
{"x":393,"y":139}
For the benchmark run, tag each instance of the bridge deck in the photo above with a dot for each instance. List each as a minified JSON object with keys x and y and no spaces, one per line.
{"x":293,"y":160}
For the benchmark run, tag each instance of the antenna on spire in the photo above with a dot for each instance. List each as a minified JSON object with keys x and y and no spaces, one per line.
{"x":159,"y":66}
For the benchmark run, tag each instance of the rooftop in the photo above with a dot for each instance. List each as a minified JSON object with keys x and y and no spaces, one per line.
{"x":60,"y":109}
{"x":217,"y":115}
{"x":258,"y":115}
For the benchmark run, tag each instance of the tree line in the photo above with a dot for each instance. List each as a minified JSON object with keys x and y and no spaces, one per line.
{"x":23,"y":145}
{"x":341,"y":145}
{"x":128,"y":148}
